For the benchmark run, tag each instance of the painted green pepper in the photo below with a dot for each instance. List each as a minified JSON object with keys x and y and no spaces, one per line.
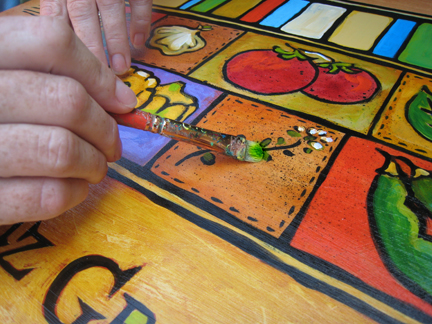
{"x":395,"y":227}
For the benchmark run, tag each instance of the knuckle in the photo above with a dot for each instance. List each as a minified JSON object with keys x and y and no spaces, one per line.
{"x":141,"y":21}
{"x":56,"y":35}
{"x":62,"y":151}
{"x":53,"y":200}
{"x":110,"y":4}
{"x":69,"y":96}
{"x":116,"y":37}
{"x":55,"y":196}
{"x":80,"y":9}
{"x":103,"y":79}
{"x":50,"y":8}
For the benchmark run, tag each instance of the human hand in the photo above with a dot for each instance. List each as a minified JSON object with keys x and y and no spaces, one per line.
{"x":83,"y":15}
{"x":55,"y":137}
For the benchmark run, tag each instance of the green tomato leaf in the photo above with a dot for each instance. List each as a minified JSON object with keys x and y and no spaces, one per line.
{"x":265,"y":142}
{"x":293,"y":133}
{"x":280,"y":141}
{"x":419,"y":112}
{"x":310,"y":138}
{"x":208,"y":158}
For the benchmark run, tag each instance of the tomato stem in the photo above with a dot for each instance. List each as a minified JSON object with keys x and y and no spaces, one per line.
{"x":288,"y":55}
{"x":336,"y":67}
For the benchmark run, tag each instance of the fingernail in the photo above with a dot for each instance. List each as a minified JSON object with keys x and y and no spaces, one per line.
{"x":124,"y":94}
{"x":118,"y":64}
{"x":139,"y":40}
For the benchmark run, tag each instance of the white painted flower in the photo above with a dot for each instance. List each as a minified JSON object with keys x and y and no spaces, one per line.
{"x":326,"y":139}
{"x":316,"y":145}
{"x":312,"y":131}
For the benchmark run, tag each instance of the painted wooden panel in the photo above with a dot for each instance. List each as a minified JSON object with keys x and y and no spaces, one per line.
{"x":171,"y":262}
{"x":334,"y":227}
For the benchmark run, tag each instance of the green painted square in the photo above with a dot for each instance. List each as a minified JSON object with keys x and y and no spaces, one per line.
{"x":419,"y":49}
{"x":207,"y":5}
{"x":136,"y":317}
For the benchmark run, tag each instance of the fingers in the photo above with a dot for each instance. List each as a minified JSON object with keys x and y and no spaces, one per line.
{"x":141,"y":11}
{"x":54,"y":8}
{"x":114,"y":25}
{"x":48,"y":151}
{"x":43,"y":99}
{"x":49,"y":45}
{"x":34,"y":199}
{"x":85,"y":22}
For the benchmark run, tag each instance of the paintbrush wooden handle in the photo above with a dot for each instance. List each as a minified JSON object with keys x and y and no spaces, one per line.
{"x":228,"y":144}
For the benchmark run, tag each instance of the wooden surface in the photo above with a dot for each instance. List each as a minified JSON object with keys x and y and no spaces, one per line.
{"x":176,"y":234}
{"x":415,"y":6}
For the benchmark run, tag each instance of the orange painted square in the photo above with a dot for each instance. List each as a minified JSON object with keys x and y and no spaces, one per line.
{"x":266,"y":195}
{"x":215,"y":39}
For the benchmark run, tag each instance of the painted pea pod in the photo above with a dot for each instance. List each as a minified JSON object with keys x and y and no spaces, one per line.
{"x":395,"y":227}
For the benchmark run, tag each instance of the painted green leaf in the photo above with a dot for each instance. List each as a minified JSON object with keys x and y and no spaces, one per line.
{"x":280,"y":141}
{"x":307,"y":150}
{"x":208,"y":158}
{"x":419,"y":112}
{"x":293,"y":133}
{"x":266,"y":156}
{"x":310,"y":138}
{"x":265,"y":142}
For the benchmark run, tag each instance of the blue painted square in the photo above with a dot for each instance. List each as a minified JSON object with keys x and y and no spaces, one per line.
{"x":189,"y":4}
{"x":389,"y":45}
{"x":284,"y":13}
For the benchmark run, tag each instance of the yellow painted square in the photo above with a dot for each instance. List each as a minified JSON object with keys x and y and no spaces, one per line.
{"x":393,"y":126}
{"x":169,"y":3}
{"x":357,"y":116}
{"x":360,"y":30}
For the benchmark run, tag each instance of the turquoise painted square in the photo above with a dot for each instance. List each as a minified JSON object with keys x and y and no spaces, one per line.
{"x":419,"y":49}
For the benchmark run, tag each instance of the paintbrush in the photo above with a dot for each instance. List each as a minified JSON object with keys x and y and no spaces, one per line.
{"x":237,"y":147}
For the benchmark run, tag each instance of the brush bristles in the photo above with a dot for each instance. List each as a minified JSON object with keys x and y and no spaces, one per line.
{"x":254,"y":152}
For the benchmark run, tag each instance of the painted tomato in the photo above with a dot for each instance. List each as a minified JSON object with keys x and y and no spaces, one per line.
{"x":342,"y":83}
{"x":270,"y":71}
